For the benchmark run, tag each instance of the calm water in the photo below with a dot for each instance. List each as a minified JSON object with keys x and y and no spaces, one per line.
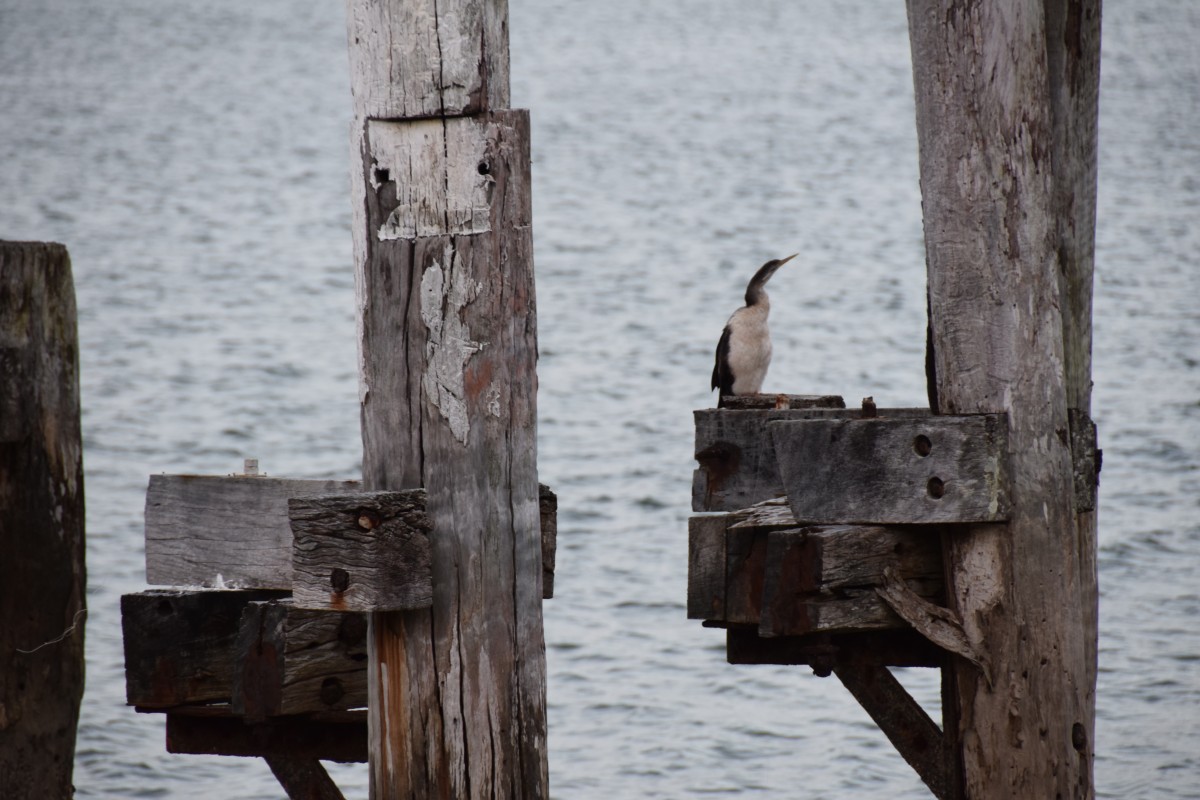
{"x":194,"y":159}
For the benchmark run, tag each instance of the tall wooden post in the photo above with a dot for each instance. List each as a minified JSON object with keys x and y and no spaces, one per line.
{"x":1006,"y":108}
{"x":447,"y":337}
{"x":42,"y":577}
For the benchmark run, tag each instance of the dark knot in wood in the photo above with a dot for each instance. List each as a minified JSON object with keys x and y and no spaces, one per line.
{"x":1079,"y":737}
{"x":339,"y":579}
{"x":332,"y":691}
{"x":922,"y":446}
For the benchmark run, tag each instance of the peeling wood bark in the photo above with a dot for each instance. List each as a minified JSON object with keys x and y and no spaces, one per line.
{"x":996,"y":176}
{"x":42,"y":572}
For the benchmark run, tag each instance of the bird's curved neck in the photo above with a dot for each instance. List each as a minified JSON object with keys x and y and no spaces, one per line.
{"x":756,"y":296}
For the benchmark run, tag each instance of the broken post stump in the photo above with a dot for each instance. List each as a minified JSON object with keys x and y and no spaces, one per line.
{"x":42,"y":572}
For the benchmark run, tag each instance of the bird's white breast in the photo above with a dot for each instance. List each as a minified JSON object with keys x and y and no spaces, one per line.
{"x":749,"y":348}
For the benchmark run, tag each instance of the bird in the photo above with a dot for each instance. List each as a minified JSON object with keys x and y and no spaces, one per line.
{"x":744,"y":352}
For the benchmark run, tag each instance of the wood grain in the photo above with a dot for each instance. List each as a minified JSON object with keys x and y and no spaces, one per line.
{"x":738,"y":466}
{"x":42,"y":572}
{"x":448,"y":388}
{"x":428,"y":58}
{"x":366,"y":551}
{"x":181,"y":645}
{"x":894,"y":471}
{"x":1005,"y":102}
{"x":230,"y":531}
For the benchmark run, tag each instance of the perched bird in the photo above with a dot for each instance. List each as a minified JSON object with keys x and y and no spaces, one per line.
{"x":744,"y":352}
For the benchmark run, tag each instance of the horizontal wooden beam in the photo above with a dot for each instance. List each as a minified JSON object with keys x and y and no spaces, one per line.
{"x":180,"y":646}
{"x":366,"y":551}
{"x":215,"y":730}
{"x":823,"y":651}
{"x":291,"y":660}
{"x":251,"y":649}
{"x":749,"y":568}
{"x":233,"y":532}
{"x":772,"y":402}
{"x":224,"y":531}
{"x":935,"y":470}
{"x":738,"y":466}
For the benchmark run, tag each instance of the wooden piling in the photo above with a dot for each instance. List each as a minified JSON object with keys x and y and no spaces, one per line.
{"x":1006,"y":108}
{"x":443,"y":252}
{"x":42,"y":576}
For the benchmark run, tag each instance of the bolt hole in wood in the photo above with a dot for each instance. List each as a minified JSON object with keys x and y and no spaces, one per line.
{"x":382,"y":175}
{"x":339,"y":579}
{"x":936,"y":488}
{"x":922,"y":445}
{"x":484,"y":168}
{"x":332,"y":691}
{"x":368,"y":520}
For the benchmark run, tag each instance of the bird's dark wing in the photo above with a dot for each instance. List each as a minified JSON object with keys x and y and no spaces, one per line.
{"x":722,"y":377}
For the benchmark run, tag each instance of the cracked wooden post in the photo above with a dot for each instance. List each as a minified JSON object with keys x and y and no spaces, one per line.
{"x":42,"y":575}
{"x":1006,"y":113}
{"x":447,"y":344}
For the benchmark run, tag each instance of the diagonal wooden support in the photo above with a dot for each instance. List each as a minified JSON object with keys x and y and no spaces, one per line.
{"x":901,"y":718}
{"x":303,"y":778}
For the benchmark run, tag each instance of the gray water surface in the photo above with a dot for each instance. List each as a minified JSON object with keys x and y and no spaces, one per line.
{"x":194,"y":158}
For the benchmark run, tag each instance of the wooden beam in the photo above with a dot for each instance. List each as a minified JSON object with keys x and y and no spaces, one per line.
{"x":999,"y":90}
{"x":773,"y":402}
{"x":823,"y":651}
{"x":180,"y":646}
{"x":294,"y":661}
{"x":232,"y":531}
{"x":303,"y":778}
{"x":748,"y":568}
{"x":367,"y":551}
{"x":42,"y":572}
{"x":224,"y":531}
{"x":738,"y":466}
{"x":910,"y":730}
{"x":895,"y":471}
{"x":215,"y":730}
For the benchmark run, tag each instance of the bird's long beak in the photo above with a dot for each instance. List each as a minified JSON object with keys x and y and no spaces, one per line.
{"x":783,"y":261}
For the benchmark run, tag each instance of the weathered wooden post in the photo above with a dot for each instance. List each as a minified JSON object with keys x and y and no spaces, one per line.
{"x":1006,"y":112}
{"x":443,"y":252}
{"x":42,"y":577}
